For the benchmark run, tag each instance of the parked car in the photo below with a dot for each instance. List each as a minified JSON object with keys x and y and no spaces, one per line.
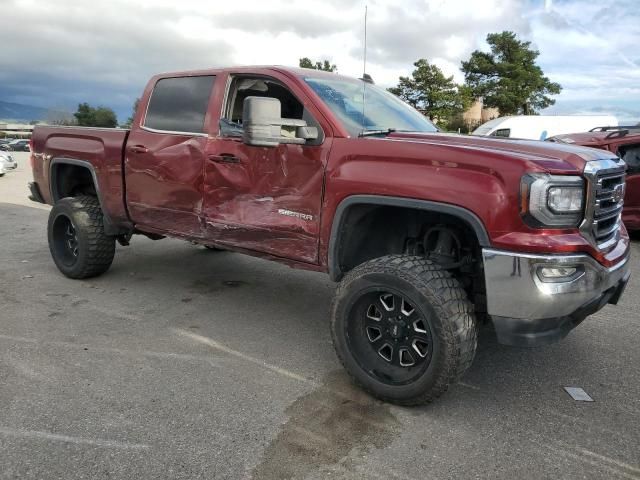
{"x":427,"y":233}
{"x":624,"y":142}
{"x":7,"y":163}
{"x":541,"y":127}
{"x":19,"y":145}
{"x":4,"y":145}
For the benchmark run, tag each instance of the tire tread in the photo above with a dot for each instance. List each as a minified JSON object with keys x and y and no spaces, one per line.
{"x":449,"y":300}
{"x":100,"y":247}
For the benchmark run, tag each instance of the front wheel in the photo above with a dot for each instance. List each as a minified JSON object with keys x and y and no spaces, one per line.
{"x":78,"y":244}
{"x":403,"y":328}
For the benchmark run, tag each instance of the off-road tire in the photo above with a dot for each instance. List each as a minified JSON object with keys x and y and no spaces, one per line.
{"x":439,"y":297}
{"x":95,"y":249}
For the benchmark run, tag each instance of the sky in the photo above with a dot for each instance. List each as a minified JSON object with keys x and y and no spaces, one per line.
{"x":56,"y":54}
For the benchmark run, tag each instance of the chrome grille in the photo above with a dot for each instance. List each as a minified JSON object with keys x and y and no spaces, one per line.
{"x":604,"y":200}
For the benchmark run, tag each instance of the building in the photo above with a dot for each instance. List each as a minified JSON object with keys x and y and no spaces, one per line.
{"x":477,"y":115}
{"x":15,"y":130}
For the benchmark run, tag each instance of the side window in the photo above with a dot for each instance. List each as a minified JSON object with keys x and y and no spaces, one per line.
{"x":243,"y":87}
{"x":179,"y":104}
{"x":631,"y":156}
{"x":502,"y":132}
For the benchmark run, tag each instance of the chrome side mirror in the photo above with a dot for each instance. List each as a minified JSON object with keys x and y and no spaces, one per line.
{"x":264,"y":127}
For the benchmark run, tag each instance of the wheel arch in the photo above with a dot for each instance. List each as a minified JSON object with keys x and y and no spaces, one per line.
{"x":63,"y":170}
{"x":340,"y":230}
{"x":59,"y":175}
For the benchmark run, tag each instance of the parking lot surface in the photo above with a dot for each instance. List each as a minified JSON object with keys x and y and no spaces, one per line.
{"x":186,"y":363}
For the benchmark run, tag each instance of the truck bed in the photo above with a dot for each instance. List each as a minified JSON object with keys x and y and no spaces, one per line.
{"x":100,"y":148}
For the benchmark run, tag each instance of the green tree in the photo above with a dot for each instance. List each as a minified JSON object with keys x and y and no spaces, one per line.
{"x":85,"y":115}
{"x":508,"y":78}
{"x":105,"y":117}
{"x":129,"y":121}
{"x":88,"y":116}
{"x":432,"y":92}
{"x":325,"y":65}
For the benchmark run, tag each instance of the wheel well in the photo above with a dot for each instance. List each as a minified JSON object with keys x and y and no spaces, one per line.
{"x":370,"y":231}
{"x":69,"y":180}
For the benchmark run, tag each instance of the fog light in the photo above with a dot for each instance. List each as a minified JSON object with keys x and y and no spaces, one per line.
{"x":558,"y":274}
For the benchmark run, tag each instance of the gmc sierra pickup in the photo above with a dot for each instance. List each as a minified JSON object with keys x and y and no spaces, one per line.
{"x":427,"y":233}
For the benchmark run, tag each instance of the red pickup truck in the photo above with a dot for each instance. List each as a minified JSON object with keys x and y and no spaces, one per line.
{"x":427,"y":233}
{"x":624,"y":142}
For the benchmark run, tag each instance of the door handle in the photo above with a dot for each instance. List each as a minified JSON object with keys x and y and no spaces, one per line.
{"x":224,"y":158}
{"x":138,"y":149}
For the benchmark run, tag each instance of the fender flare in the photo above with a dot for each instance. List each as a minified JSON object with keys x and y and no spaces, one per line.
{"x":467,"y":216}
{"x":110,"y":228}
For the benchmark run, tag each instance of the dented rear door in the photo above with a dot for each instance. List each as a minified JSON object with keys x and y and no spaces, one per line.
{"x":165,"y":155}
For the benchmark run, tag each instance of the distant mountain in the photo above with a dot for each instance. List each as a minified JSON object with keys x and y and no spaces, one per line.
{"x":17,"y":112}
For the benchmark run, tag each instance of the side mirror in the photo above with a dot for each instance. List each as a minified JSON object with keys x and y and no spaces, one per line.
{"x":264,"y":127}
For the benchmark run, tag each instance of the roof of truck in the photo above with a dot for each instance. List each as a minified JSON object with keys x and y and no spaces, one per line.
{"x":297,"y":71}
{"x":599,"y":137}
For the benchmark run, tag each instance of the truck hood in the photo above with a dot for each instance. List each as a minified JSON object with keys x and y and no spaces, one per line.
{"x":547,"y":155}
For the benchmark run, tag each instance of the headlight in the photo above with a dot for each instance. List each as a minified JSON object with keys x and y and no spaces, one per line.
{"x":552,"y":200}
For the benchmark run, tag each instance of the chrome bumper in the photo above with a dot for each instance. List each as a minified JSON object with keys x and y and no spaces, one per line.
{"x":528,"y":311}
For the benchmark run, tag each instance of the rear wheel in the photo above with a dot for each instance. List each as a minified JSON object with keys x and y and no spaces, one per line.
{"x":403,"y":328}
{"x":78,"y":244}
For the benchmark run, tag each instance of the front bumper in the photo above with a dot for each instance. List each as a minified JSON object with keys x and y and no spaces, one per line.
{"x":527,"y":311}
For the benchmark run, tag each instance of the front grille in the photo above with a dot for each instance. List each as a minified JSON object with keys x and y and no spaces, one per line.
{"x":605,"y":195}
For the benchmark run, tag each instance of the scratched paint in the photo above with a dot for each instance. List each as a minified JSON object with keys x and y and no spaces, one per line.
{"x":244,"y":200}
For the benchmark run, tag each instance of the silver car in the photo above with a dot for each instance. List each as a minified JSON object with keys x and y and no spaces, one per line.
{"x":7,"y":163}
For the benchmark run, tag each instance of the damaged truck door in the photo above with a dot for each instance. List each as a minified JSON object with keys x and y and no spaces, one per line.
{"x":263,"y":182}
{"x":164,"y":158}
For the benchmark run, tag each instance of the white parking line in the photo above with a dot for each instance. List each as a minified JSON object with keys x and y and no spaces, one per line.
{"x":611,"y":461}
{"x":218,"y":346}
{"x":118,"y":351}
{"x":69,"y":439}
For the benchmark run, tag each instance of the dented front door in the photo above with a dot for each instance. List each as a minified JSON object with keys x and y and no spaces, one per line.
{"x":265,"y":199}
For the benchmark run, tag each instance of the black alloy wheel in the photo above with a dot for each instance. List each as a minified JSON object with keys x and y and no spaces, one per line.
{"x":403,"y":328}
{"x":390,"y":336}
{"x":65,"y":240}
{"x":79,"y":246}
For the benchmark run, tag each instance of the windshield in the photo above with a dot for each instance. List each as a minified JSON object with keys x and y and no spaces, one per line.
{"x":380,"y":110}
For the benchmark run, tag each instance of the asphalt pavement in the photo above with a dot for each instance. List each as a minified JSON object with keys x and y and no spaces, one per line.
{"x":182,"y":362}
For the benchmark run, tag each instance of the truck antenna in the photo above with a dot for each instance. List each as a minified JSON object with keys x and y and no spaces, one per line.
{"x":364,"y":65}
{"x":364,"y":68}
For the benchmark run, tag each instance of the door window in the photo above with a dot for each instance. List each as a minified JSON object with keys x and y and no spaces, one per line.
{"x":243,"y":87}
{"x":179,"y":104}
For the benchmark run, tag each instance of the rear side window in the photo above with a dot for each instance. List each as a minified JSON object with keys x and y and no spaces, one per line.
{"x":179,"y":104}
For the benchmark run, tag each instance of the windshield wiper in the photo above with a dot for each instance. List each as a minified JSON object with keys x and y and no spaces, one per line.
{"x":368,"y":133}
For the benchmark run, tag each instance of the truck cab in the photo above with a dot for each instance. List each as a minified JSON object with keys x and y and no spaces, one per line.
{"x":428,"y":234}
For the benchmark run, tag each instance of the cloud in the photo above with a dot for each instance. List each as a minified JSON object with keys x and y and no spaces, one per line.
{"x":103,"y":52}
{"x":591,"y":49}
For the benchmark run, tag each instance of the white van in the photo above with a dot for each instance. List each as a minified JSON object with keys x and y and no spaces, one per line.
{"x":541,"y":127}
